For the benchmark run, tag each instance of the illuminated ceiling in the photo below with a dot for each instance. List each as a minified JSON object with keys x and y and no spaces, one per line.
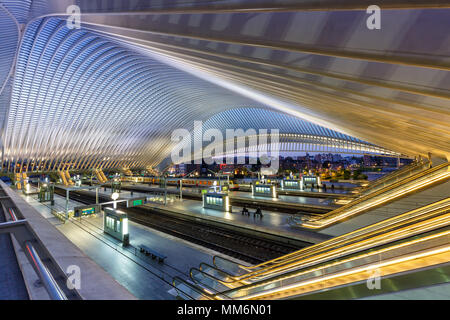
{"x":112,"y":92}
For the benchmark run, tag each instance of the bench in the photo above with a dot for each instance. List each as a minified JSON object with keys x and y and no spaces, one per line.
{"x":154,"y":254}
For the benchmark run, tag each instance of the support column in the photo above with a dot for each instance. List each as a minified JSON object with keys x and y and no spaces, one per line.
{"x":165,"y":191}
{"x":67,"y":204}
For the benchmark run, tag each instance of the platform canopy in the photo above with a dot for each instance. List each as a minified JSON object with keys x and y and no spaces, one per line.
{"x":111,"y":92}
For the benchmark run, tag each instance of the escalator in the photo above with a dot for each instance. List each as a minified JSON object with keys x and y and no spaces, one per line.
{"x":100,"y":175}
{"x":384,"y":195}
{"x":397,"y":175}
{"x":395,"y":245}
{"x":100,"y":171}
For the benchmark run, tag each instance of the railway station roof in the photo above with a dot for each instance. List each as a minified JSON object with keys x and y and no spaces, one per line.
{"x":113,"y":91}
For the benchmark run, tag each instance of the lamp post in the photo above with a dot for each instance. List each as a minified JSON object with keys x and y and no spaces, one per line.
{"x":67,"y":203}
{"x":218,"y":174}
{"x":115,"y":196}
{"x":165,"y":190}
{"x":181,"y":183}
{"x":215,"y":174}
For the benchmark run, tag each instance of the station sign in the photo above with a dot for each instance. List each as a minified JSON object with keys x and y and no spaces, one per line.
{"x":86,"y":210}
{"x":266,"y":190}
{"x":134,"y":202}
{"x":218,"y":201}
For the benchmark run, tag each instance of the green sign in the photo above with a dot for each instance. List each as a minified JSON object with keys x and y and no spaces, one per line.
{"x":135,"y":202}
{"x":88,"y":211}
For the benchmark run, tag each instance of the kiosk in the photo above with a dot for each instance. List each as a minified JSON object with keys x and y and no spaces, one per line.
{"x":46,"y":192}
{"x":134,"y":202}
{"x":116,"y":185}
{"x":292,"y":184}
{"x":311,"y":180}
{"x":86,"y":210}
{"x":265,"y":190}
{"x":216,"y":200}
{"x":115,"y":223}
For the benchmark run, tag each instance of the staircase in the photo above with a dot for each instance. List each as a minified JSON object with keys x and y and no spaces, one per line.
{"x":63,"y":177}
{"x":68,"y":178}
{"x":100,"y":175}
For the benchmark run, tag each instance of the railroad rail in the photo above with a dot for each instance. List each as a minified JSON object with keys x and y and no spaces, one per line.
{"x":232,"y":243}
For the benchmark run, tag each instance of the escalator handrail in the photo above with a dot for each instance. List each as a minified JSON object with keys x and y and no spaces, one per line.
{"x":225,"y":282}
{"x":210,"y":266}
{"x":441,"y":204}
{"x":327,"y":264}
{"x":374,"y":194}
{"x":390,"y":187}
{"x":336,"y":242}
{"x":192,"y":286}
{"x":207,"y":275}
{"x":410,"y":167}
{"x":338,"y":253}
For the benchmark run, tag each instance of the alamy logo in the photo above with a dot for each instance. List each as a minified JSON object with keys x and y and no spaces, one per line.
{"x":73,"y":277}
{"x":374,"y":280}
{"x":374,"y":20}
{"x":262,"y":145}
{"x":74,"y":19}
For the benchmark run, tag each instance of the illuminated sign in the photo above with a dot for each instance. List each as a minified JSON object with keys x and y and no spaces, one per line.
{"x":216,"y":201}
{"x":86,"y":210}
{"x":134,"y":202}
{"x":264,"y":190}
{"x":292,"y":184}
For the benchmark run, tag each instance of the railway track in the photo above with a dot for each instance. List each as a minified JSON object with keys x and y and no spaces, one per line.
{"x":305,"y":210}
{"x":232,"y":243}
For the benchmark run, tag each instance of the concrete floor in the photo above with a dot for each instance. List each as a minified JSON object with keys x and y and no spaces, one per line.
{"x":286,"y":199}
{"x":273,"y":222}
{"x":143,"y":277}
{"x":294,"y":199}
{"x":12,"y":285}
{"x":338,"y":188}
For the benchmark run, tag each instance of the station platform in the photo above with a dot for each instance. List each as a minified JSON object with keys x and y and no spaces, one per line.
{"x":290,"y":200}
{"x":310,"y":192}
{"x":291,"y":203}
{"x":12,"y":284}
{"x":95,"y":282}
{"x":143,"y":277}
{"x":272,"y":222}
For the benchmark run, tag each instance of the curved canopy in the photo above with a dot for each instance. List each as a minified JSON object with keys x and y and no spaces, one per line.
{"x":112,"y":92}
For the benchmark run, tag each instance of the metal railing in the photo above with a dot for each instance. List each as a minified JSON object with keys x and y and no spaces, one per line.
{"x":397,"y":228}
{"x":343,"y":212}
{"x":409,"y":169}
{"x":344,"y":271}
{"x":48,"y":271}
{"x":53,"y":290}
